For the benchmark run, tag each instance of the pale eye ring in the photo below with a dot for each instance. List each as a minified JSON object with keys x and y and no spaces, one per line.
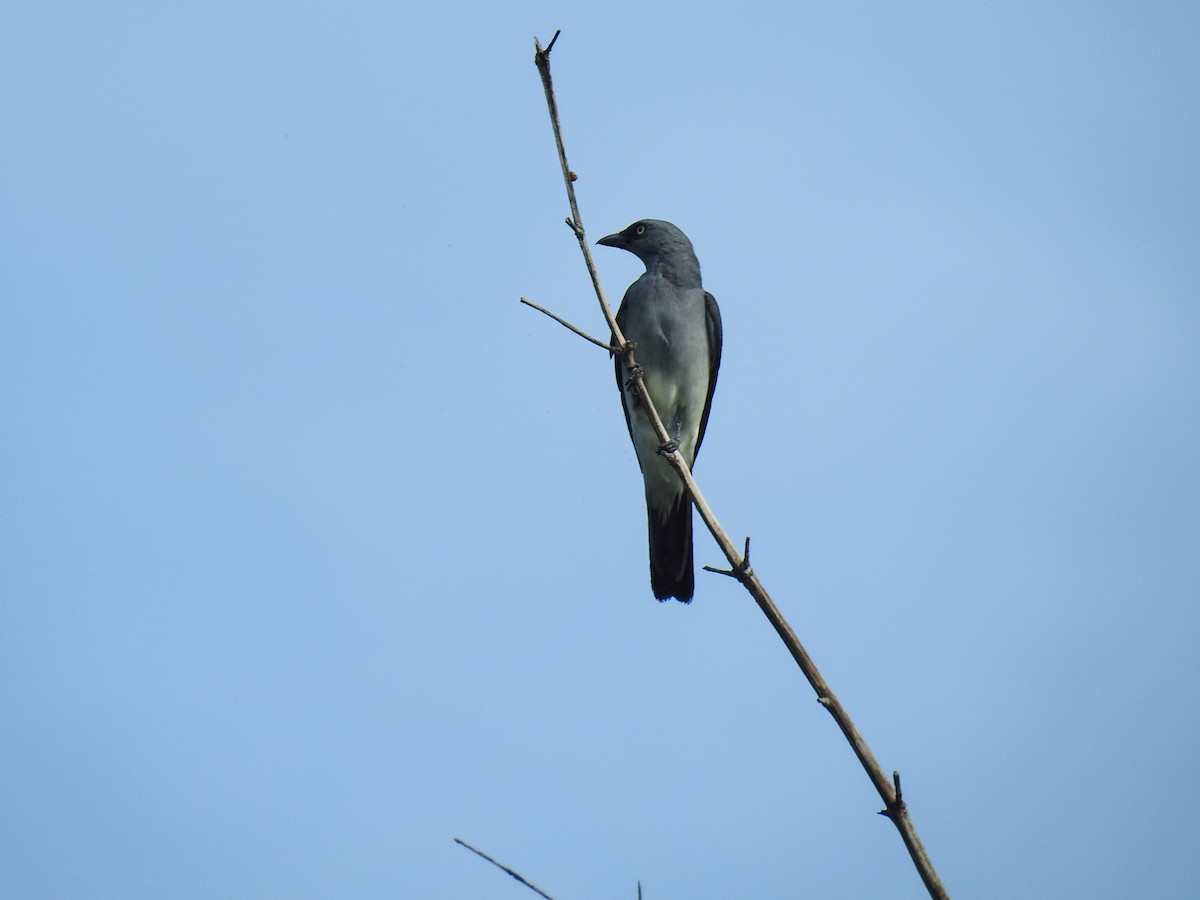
{"x":640,"y":230}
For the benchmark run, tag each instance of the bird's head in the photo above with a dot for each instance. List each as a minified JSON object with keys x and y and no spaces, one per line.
{"x":650,"y":240}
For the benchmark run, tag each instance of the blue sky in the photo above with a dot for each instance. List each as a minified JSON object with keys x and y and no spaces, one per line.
{"x":318,"y":550}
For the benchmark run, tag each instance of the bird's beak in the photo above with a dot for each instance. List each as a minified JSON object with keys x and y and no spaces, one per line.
{"x":613,"y":240}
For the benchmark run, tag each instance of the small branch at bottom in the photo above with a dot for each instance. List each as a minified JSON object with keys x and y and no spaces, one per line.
{"x":500,"y":865}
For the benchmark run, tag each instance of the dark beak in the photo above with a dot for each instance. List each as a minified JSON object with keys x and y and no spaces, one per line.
{"x":613,"y":240}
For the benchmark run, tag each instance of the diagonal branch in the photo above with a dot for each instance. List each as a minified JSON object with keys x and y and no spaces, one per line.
{"x":888,"y":789}
{"x":500,"y":865}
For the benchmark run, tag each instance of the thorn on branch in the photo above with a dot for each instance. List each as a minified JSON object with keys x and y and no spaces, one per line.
{"x":741,"y":571}
{"x":541,"y":55}
{"x":896,"y":808}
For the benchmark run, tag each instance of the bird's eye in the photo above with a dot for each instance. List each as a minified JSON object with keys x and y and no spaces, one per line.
{"x":639,"y":230}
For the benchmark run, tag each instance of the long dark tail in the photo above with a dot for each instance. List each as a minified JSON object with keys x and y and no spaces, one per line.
{"x":671,"y":550}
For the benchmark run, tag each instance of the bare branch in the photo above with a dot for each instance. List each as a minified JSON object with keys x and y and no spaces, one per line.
{"x":888,"y":790}
{"x":500,"y":865}
{"x":563,"y":322}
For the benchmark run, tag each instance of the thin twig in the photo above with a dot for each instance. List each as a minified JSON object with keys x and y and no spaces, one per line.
{"x":500,"y":865}
{"x":565,"y":324}
{"x":894,"y":806}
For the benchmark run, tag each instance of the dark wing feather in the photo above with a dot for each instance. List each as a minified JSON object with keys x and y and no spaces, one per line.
{"x":619,"y":366}
{"x":712,"y":316}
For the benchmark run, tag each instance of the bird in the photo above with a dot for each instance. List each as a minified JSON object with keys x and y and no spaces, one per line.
{"x":676,"y":327}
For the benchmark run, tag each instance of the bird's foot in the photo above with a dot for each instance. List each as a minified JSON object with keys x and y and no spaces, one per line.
{"x":636,"y":373}
{"x":670,"y":446}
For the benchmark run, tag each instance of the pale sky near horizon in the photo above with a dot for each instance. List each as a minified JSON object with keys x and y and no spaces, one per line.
{"x":318,"y":550}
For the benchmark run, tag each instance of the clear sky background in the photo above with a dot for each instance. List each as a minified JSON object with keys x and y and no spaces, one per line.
{"x":318,"y":550}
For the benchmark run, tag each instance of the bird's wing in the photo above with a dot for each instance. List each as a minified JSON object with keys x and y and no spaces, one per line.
{"x":619,"y":366}
{"x":712,"y":321}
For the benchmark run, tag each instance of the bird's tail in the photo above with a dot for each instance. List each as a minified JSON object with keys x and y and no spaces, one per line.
{"x":671,"y":550}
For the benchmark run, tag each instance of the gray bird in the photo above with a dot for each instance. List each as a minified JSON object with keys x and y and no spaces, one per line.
{"x":676,"y":326}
